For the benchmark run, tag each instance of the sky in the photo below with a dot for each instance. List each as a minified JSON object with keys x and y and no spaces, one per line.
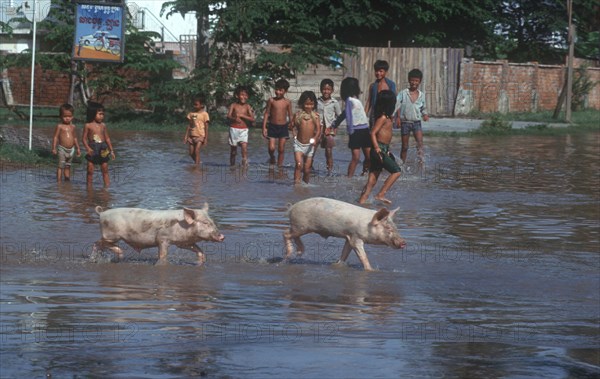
{"x":175,"y":24}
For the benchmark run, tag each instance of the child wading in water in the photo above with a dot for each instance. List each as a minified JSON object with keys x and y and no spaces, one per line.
{"x":240,"y":115}
{"x":275,"y":123}
{"x":65,"y":142}
{"x":97,"y":143}
{"x":196,"y":134}
{"x":306,"y":129}
{"x":329,"y":109}
{"x":381,"y":157}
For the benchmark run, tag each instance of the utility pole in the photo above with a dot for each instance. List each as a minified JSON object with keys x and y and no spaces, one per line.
{"x":571,"y":38}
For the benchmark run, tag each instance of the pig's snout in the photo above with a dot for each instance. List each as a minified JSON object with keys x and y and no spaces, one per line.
{"x":219,"y":238}
{"x":399,"y":243}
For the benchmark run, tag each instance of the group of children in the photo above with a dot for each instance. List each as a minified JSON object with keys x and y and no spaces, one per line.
{"x":315,"y":123}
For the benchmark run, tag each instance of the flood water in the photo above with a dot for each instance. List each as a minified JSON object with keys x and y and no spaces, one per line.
{"x":500,"y":276}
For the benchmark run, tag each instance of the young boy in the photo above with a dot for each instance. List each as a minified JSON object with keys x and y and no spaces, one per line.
{"x":65,"y":138}
{"x":306,"y":128}
{"x":196,"y":134}
{"x":240,"y":115}
{"x":381,"y":83}
{"x":277,"y":113}
{"x":329,"y":109}
{"x":381,"y":136}
{"x":410,"y":110}
{"x":97,"y":143}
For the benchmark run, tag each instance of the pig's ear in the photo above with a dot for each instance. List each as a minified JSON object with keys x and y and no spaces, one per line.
{"x":379,"y":216}
{"x":393,"y":212}
{"x":205,"y":207}
{"x":189,"y":216}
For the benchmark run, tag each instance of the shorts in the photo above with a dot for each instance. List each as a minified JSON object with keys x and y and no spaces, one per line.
{"x":195,"y":140}
{"x":100,"y":153}
{"x":277,"y":131}
{"x":410,"y":126}
{"x":307,"y":149}
{"x":65,"y":156}
{"x":327,"y":142}
{"x":359,"y":139}
{"x":389,"y":161}
{"x":237,"y":136}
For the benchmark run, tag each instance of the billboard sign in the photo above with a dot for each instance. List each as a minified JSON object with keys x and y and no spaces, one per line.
{"x":99,"y":32}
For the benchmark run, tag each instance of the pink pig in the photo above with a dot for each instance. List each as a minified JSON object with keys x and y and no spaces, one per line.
{"x":143,"y":228}
{"x":329,"y":217}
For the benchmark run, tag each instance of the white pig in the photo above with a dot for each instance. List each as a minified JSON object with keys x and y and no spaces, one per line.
{"x":143,"y":228}
{"x":329,"y":217}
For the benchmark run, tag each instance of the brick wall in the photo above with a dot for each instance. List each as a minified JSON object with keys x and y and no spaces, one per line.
{"x":503,"y":87}
{"x":51,"y":88}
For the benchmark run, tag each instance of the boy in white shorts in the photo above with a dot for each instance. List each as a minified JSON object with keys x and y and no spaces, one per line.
{"x":240,"y":116}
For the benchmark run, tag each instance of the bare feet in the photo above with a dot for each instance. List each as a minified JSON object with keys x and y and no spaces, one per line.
{"x":383,"y":200}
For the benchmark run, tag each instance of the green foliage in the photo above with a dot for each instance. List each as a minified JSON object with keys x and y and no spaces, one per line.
{"x":582,"y":85}
{"x":21,"y":154}
{"x":494,"y":126}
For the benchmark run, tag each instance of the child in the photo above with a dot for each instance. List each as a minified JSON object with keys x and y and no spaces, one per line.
{"x":410,"y":110}
{"x":277,"y":113}
{"x":240,"y":115}
{"x":381,"y":136}
{"x":196,"y":134}
{"x":306,"y":128}
{"x":381,"y":83}
{"x":97,"y":143}
{"x":65,"y":138}
{"x":357,"y":124}
{"x":328,"y":109}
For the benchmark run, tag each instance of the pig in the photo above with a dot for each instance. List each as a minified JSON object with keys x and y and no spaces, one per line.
{"x":143,"y":228}
{"x":335,"y":218}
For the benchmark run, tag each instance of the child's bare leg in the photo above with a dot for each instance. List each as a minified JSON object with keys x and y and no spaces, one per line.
{"x":367,"y":161}
{"x":197,"y":153}
{"x":192,"y":150}
{"x":105,"y":176}
{"x":232,"y":154}
{"x":90,"y":173}
{"x":386,"y":186}
{"x":281,"y":151}
{"x":404,"y":151}
{"x":329,"y":158}
{"x":59,"y":174}
{"x":307,"y":168}
{"x":353,"y":162}
{"x":272,"y":150}
{"x":67,"y":173}
{"x":373,"y":176}
{"x":419,"y":140}
{"x":244,"y":147}
{"x":299,"y":158}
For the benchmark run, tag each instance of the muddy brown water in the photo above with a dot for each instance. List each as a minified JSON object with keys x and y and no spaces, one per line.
{"x":500,"y":277}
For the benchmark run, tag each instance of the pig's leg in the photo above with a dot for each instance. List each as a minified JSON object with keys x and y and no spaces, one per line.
{"x":345,"y":252}
{"x":163,"y":248}
{"x":112,"y":246}
{"x":299,"y":246}
{"x":201,"y":257}
{"x":359,"y":248}
{"x":287,"y":241}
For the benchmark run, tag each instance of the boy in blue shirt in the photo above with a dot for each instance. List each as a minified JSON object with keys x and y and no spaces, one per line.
{"x":381,"y":83}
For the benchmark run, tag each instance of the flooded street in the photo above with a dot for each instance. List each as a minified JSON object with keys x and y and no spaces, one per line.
{"x":500,"y":276}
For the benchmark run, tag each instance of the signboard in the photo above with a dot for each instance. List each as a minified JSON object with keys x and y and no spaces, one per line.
{"x":99,"y":32}
{"x":35,"y":9}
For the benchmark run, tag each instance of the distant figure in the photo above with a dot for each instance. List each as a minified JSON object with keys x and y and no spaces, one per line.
{"x":306,"y":128}
{"x":64,"y":142}
{"x":196,"y":134}
{"x":381,"y":156}
{"x":357,"y":125}
{"x":410,"y":110}
{"x":329,"y":109}
{"x":97,"y":143}
{"x":278,"y":113}
{"x":381,"y":83}
{"x":240,"y":115}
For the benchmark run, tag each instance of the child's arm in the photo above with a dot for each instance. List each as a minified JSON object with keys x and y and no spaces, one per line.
{"x":205,"y":132}
{"x":187,"y":130}
{"x":76,"y":142}
{"x":378,"y":124}
{"x":289,"y":110}
{"x":230,"y":114}
{"x":423,"y":109}
{"x":266,"y":117}
{"x":55,"y":139}
{"x":249,"y":115}
{"x":317,"y":122}
{"x":85,"y":139}
{"x":292,"y":126}
{"x":107,"y":140}
{"x":368,"y":103}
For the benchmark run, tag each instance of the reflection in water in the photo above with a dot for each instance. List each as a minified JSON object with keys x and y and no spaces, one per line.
{"x":502,"y":247}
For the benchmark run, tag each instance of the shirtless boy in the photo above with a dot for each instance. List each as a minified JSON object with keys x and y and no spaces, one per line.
{"x":306,"y":128}
{"x":381,"y":136}
{"x":64,"y":142}
{"x":97,"y":143}
{"x":240,"y":115}
{"x":275,"y":121}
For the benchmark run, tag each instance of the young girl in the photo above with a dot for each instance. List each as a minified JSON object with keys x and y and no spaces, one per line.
{"x":306,"y":128}
{"x":381,"y":157}
{"x":196,"y":134}
{"x":97,"y":143}
{"x":357,"y":124}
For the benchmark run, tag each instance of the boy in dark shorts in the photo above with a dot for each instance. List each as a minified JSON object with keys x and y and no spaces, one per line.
{"x":381,"y":158}
{"x":278,"y":113}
